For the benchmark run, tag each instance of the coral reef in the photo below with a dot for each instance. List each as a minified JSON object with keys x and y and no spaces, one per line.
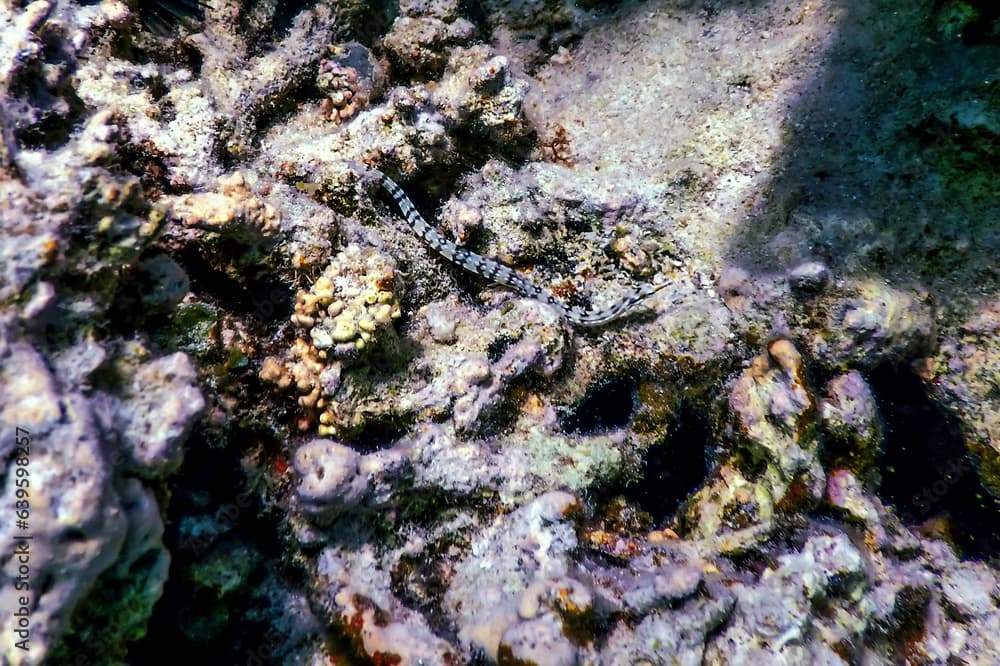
{"x":255,"y":410}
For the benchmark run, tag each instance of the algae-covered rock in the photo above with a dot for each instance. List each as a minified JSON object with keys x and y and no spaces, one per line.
{"x":153,"y":418}
{"x":965,"y":375}
{"x":870,"y":322}
{"x":851,"y":421}
{"x":190,"y":224}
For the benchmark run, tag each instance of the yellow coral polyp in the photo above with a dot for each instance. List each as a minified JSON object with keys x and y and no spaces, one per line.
{"x":382,"y":315}
{"x":341,"y":315}
{"x":344,"y":329}
{"x":310,"y":399}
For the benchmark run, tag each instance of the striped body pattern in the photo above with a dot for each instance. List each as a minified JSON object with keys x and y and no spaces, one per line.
{"x":497,"y":272}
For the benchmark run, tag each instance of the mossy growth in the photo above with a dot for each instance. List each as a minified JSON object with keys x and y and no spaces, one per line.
{"x":219,"y":584}
{"x":114,"y":614}
{"x":952,"y":18}
{"x":193,"y":329}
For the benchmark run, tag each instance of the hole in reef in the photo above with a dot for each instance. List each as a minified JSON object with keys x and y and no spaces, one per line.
{"x":378,"y":434}
{"x":265,"y":297}
{"x":606,"y":406}
{"x":213,"y":487}
{"x":925,"y":468}
{"x":673,"y":467}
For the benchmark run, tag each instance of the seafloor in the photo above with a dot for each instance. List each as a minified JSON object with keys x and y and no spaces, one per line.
{"x":249,"y":417}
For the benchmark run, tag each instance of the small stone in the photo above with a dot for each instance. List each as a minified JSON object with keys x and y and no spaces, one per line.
{"x":810,"y":277}
{"x":329,"y":476}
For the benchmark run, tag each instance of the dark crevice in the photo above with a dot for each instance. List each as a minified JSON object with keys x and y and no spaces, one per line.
{"x":164,"y":18}
{"x":213,"y":484}
{"x":926,"y":472}
{"x":420,"y":582}
{"x":673,"y":467}
{"x":379,"y":434}
{"x":277,"y":27}
{"x":266,"y":297}
{"x":606,"y":406}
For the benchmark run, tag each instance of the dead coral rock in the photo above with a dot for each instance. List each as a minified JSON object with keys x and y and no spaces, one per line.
{"x":869,"y":322}
{"x":479,"y":91}
{"x":156,"y":414}
{"x":850,"y":417}
{"x":446,"y":10}
{"x":845,"y":492}
{"x":964,"y":376}
{"x":667,"y":636}
{"x":809,"y":277}
{"x":970,"y":590}
{"x":539,"y":641}
{"x":355,"y":593}
{"x":76,"y":521}
{"x":532,"y":31}
{"x":249,"y":86}
{"x":527,"y":549}
{"x":26,"y":247}
{"x":234,"y":211}
{"x":773,"y":407}
{"x":771,"y":619}
{"x":419,"y":44}
{"x":330,"y":476}
{"x":774,"y":415}
{"x":39,"y":60}
{"x":466,"y":378}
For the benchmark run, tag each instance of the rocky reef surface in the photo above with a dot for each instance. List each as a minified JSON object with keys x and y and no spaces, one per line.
{"x":250,"y":417}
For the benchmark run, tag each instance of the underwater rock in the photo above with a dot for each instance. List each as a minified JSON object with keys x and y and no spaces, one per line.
{"x":850,"y":418}
{"x":462,"y":512}
{"x":153,"y":418}
{"x":75,"y":517}
{"x":422,"y":35}
{"x":530,"y":547}
{"x":770,"y":619}
{"x":478,"y":90}
{"x":234,"y":212}
{"x":963,"y":375}
{"x":809,"y":277}
{"x":355,"y":591}
{"x":868,"y":322}
{"x":537,"y":641}
{"x":330,"y":476}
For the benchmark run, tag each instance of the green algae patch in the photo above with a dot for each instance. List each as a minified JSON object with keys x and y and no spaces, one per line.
{"x":573,"y":463}
{"x":114,"y":614}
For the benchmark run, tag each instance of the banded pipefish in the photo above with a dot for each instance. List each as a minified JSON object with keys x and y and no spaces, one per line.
{"x":496,"y":272}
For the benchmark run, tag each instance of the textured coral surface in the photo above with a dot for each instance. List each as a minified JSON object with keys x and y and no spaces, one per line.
{"x":253,"y":414}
